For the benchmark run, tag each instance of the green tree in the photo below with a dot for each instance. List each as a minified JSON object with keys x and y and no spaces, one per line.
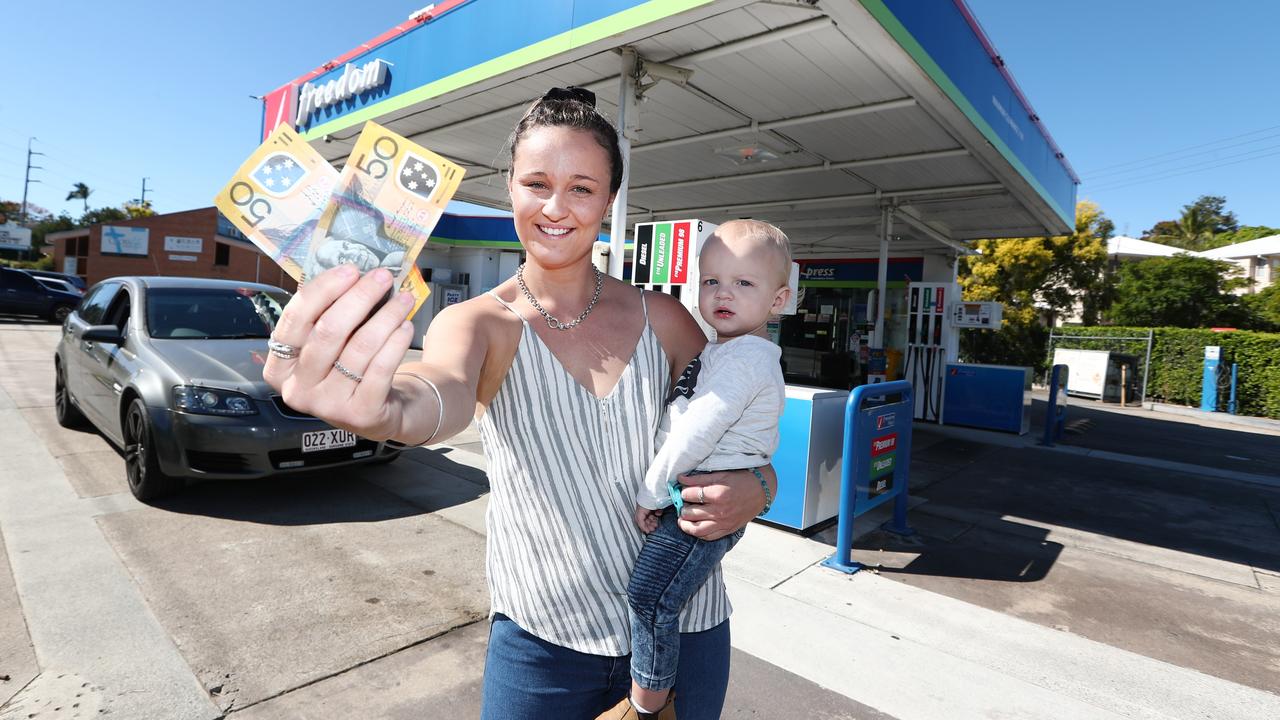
{"x":1214,"y":209}
{"x":103,"y":215}
{"x":1244,"y":233}
{"x":82,"y":192}
{"x":1198,"y":227}
{"x":1264,"y":307}
{"x":1032,"y":275}
{"x":1179,"y":291}
{"x":1192,"y":231}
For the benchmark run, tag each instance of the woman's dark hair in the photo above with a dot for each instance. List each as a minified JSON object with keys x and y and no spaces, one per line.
{"x":572,"y":107}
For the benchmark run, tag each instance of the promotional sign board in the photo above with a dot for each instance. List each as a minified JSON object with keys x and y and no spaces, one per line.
{"x":666,"y":253}
{"x":118,"y":240}
{"x":176,"y":244}
{"x":877,"y":429}
{"x":14,"y":237}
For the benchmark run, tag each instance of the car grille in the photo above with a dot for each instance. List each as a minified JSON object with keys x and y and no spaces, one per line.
{"x":287,"y":411}
{"x":216,"y":462}
{"x":322,"y":457}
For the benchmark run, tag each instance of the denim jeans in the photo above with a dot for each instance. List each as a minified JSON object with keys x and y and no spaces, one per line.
{"x":527,"y":678}
{"x":671,"y":567}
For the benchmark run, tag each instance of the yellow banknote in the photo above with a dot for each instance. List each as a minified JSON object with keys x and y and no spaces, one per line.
{"x":277,"y":197}
{"x":387,"y":201}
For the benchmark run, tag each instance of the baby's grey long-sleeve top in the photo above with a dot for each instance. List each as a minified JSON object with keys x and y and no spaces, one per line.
{"x":724,"y":417}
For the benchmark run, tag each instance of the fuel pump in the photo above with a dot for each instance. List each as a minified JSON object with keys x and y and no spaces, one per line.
{"x":932,"y":342}
{"x":1211,"y":378}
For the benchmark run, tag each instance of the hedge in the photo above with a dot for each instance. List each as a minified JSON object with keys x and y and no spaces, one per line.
{"x":1177,"y":364}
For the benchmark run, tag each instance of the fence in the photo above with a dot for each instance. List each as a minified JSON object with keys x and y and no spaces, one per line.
{"x":1136,"y":345}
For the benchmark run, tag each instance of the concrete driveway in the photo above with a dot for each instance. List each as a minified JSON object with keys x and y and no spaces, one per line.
{"x":356,"y":593}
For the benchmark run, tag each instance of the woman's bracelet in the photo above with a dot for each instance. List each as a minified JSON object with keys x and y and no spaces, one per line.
{"x":768,"y":496}
{"x":439,"y":403}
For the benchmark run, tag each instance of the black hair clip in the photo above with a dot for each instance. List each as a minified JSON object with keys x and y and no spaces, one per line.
{"x":582,"y":95}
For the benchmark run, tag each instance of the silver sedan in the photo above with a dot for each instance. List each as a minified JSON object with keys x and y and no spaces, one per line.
{"x":170,"y":370}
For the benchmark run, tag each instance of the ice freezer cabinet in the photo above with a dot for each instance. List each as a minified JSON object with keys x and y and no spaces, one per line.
{"x":808,"y":461}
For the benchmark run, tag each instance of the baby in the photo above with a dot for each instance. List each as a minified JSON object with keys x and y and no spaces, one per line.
{"x":721,"y":415}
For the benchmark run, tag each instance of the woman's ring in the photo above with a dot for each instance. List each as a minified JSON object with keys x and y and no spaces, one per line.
{"x":282,"y":350}
{"x":342,"y":369}
{"x":702,"y":495}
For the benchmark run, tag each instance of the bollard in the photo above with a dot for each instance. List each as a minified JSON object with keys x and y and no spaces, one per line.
{"x":1055,"y":416}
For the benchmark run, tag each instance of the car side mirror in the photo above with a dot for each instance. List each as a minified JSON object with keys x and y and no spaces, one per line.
{"x":109,"y":334}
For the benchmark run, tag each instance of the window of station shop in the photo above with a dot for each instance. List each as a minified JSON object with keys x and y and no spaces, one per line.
{"x":826,"y":343}
{"x":221,"y":254}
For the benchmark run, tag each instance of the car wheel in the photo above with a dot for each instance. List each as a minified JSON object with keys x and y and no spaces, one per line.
{"x":59,"y":314}
{"x":69,"y":416}
{"x":146,"y":480}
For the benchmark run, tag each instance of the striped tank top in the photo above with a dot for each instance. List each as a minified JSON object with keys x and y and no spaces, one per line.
{"x":564,"y":468}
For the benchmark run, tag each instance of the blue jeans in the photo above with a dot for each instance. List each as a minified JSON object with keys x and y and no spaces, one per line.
{"x":526,"y":677}
{"x":671,"y":567}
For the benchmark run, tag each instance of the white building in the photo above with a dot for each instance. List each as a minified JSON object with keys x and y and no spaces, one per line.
{"x":1259,"y":261}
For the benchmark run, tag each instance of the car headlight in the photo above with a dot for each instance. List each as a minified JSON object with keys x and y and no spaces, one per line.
{"x":208,"y":401}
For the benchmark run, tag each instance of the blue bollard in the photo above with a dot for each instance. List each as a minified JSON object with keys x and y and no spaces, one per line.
{"x":1055,"y":417}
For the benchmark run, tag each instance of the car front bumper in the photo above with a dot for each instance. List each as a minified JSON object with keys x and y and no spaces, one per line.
{"x":219,"y":447}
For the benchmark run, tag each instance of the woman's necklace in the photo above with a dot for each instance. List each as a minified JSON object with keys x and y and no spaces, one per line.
{"x":552,"y":321}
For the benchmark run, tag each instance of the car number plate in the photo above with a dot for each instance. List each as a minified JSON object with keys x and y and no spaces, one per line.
{"x":331,"y":439}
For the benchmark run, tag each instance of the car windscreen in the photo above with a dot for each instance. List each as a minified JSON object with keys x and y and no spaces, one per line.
{"x":212,"y":313}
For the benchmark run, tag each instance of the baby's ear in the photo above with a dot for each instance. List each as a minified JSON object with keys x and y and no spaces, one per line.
{"x":780,"y":300}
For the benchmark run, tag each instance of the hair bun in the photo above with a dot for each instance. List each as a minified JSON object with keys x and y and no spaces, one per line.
{"x":571,"y":93}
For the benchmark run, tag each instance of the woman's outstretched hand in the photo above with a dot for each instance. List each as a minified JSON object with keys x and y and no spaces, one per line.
{"x":719,"y":503}
{"x":329,"y":328}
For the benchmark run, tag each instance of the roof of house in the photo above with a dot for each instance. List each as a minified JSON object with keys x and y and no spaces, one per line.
{"x":1133,"y":247}
{"x":1269,"y":245}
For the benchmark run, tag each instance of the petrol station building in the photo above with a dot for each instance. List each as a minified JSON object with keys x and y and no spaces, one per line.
{"x":881,"y":135}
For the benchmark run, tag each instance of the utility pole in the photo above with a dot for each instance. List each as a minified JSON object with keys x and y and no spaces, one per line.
{"x":27,"y":180}
{"x":143,"y":201}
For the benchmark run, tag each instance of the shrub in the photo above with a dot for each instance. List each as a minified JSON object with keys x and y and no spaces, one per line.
{"x":1177,"y":364}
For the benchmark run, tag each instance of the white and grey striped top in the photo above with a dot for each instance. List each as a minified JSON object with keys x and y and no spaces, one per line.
{"x":564,"y":468}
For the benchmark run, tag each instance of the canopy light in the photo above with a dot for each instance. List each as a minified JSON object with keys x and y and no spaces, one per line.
{"x":749,"y":154}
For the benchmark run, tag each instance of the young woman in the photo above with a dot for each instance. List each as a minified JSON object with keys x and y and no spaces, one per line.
{"x":565,"y":371}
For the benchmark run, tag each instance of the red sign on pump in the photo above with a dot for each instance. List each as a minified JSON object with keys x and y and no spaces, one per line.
{"x":884,"y":444}
{"x":680,"y":253}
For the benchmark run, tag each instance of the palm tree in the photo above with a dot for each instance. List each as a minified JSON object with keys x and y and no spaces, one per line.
{"x":1192,"y":231}
{"x":82,"y":192}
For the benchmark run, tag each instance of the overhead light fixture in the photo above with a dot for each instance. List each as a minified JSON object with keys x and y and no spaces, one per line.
{"x":749,"y":154}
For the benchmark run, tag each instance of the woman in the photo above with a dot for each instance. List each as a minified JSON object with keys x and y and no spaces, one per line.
{"x":564,"y":370}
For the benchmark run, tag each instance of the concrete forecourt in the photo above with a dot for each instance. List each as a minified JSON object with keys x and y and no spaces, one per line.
{"x":1044,"y":585}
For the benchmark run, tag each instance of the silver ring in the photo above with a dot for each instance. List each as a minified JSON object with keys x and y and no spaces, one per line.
{"x":702,"y":495}
{"x":342,"y":369}
{"x":282,"y":350}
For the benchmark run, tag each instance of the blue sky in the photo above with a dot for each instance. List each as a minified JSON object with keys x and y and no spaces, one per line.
{"x":1149,"y":100}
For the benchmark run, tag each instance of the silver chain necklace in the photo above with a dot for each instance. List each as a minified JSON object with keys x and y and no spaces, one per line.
{"x":553,"y":322}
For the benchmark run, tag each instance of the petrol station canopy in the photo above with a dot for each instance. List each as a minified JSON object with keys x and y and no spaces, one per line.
{"x":825,"y":118}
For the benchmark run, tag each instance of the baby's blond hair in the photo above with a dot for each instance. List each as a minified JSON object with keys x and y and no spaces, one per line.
{"x":759,"y":231}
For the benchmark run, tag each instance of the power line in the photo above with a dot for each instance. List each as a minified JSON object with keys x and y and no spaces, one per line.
{"x":1140,"y":181}
{"x":1183,"y":157}
{"x":1174,"y":152}
{"x":1195,"y":164}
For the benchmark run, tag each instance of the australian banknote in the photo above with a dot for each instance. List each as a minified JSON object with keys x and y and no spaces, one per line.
{"x":388,"y":199}
{"x":277,"y":197}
